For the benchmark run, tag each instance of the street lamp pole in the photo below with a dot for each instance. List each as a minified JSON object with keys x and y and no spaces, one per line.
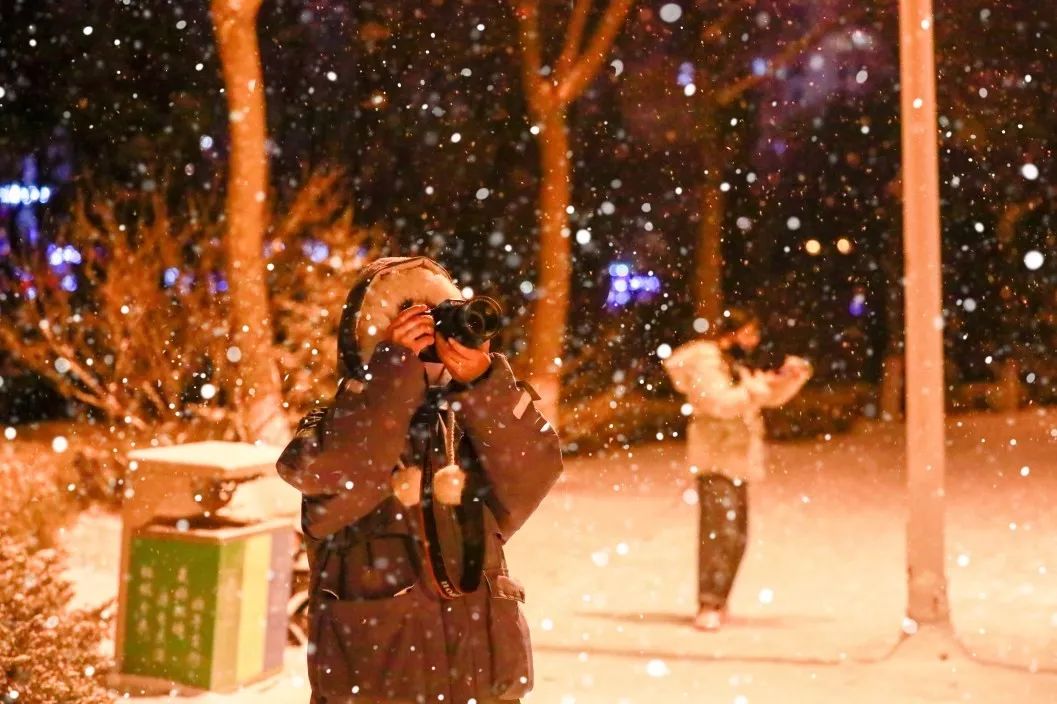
{"x":926,"y":575}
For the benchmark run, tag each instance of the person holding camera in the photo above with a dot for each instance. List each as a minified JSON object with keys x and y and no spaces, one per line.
{"x":431,"y":456}
{"x":725,"y":443}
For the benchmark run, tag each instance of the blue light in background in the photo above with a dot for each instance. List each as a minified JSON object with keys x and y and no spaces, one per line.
{"x":858,"y":305}
{"x":217,"y":283}
{"x":686,"y":74}
{"x":626,"y":286}
{"x":54,"y":255}
{"x":646,"y":284}
{"x":170,"y":276}
{"x":58,"y":255}
{"x":18,"y":194}
{"x":71,"y":255}
{"x":315,"y":250}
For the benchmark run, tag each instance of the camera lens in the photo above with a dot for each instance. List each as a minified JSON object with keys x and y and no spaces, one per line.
{"x":475,"y":322}
{"x":471,"y":323}
{"x":481,"y":317}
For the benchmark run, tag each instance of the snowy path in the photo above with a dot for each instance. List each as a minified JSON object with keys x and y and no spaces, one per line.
{"x":608,"y":563}
{"x":823,"y":577}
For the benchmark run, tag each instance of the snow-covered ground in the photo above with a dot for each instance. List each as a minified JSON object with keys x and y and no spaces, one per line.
{"x":609,"y":560}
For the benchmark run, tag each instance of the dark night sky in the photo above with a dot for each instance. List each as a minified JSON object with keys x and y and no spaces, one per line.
{"x":126,"y":94}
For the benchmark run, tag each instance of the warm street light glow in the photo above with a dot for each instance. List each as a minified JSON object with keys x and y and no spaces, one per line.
{"x":813,"y":247}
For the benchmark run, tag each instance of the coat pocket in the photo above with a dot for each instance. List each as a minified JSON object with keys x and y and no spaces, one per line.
{"x":379,"y":568}
{"x":373,"y":647}
{"x":509,"y":637}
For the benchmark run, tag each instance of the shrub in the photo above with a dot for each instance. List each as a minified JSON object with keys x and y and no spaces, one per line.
{"x":48,"y":652}
{"x":126,"y":312}
{"x":32,"y":505}
{"x":314,"y":254}
{"x":817,"y":410}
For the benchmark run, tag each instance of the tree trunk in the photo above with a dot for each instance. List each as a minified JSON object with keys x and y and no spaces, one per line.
{"x":1010,"y":392}
{"x":548,"y":100}
{"x":257,"y":380}
{"x":893,"y":369}
{"x":708,"y":259}
{"x":547,"y":328}
{"x":891,"y":394}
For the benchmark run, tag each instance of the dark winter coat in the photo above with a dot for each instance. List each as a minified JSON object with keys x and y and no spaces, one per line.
{"x":378,"y":633}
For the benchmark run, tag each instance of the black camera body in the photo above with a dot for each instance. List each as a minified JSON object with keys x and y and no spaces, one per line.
{"x":471,"y":322}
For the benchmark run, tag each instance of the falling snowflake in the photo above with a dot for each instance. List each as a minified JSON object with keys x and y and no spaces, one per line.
{"x":670,"y":12}
{"x":657,"y":668}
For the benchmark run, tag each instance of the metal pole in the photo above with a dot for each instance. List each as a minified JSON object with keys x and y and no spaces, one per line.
{"x":926,"y":576}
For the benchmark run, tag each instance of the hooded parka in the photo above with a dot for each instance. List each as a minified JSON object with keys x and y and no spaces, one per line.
{"x":379,"y":634}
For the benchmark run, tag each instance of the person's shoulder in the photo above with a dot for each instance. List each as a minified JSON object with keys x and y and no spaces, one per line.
{"x":699,"y":348}
{"x":695,"y":353}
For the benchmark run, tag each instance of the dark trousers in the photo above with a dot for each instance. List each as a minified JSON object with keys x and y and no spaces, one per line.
{"x":722,"y":538}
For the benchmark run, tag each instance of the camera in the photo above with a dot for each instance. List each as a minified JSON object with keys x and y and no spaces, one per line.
{"x":471,"y":322}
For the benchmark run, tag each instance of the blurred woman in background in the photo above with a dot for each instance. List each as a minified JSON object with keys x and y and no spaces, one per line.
{"x":725,"y":443}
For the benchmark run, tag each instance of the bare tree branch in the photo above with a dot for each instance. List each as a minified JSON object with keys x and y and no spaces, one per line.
{"x":39,"y":358}
{"x":1006,"y":229}
{"x":586,"y":67}
{"x":735,"y":89}
{"x":574,"y":35}
{"x":718,"y":27}
{"x":536,"y":89}
{"x":320,"y":194}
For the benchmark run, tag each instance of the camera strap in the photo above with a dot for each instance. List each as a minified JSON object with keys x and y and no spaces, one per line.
{"x":469,"y":517}
{"x":447,"y":430}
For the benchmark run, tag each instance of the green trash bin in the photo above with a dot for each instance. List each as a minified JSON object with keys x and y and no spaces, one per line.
{"x":206,"y":602}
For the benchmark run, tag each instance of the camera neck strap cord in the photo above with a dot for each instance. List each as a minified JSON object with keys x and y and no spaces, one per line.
{"x":469,"y":516}
{"x":447,"y":428}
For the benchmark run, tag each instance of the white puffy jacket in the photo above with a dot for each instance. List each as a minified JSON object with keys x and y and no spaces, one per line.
{"x":726,"y":431}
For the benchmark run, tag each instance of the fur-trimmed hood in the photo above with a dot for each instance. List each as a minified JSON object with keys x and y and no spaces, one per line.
{"x":380,"y":292}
